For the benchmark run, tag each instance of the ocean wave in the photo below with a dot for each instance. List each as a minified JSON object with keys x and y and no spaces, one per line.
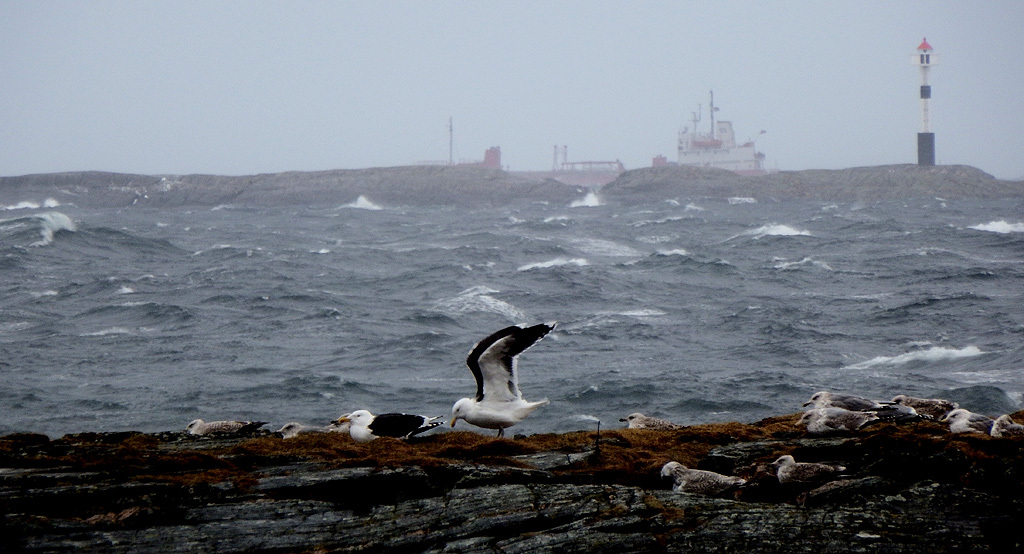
{"x":784,"y":265}
{"x":591,"y":200}
{"x":742,"y":200}
{"x":479,"y":299}
{"x":1002,"y":226}
{"x":557,"y":262}
{"x":29,"y":205}
{"x":601,"y":247}
{"x":773,"y":230}
{"x":934,"y":354}
{"x":51,"y":224}
{"x":362,"y":203}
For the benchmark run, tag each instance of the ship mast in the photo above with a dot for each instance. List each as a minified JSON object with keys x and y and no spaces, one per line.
{"x":711,"y":111}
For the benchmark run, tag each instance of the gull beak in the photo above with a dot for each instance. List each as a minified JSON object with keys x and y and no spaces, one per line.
{"x":342,"y":419}
{"x":807,"y":404}
{"x":454,"y":419}
{"x":623,"y":419}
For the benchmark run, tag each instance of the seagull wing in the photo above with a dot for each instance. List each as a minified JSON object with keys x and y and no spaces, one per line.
{"x":493,"y":361}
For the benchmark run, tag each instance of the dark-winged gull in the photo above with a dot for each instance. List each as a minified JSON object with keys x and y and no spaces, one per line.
{"x":966,"y":421}
{"x":200,"y":427}
{"x":827,"y":420}
{"x":931,"y":407}
{"x":825,"y":399}
{"x":699,"y":481}
{"x":1004,"y":426}
{"x":499,"y":403}
{"x":640,"y":421}
{"x":365,"y":427}
{"x":788,"y":470}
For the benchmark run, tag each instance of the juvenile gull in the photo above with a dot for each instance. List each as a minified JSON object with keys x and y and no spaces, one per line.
{"x":1004,"y":426}
{"x":365,"y":427}
{"x":825,"y":399}
{"x":699,"y":481}
{"x":499,"y":403}
{"x":827,"y":420}
{"x":965,"y":421}
{"x":932,"y":407}
{"x":640,"y":421}
{"x":294,"y":429}
{"x":788,"y":470}
{"x":200,"y":427}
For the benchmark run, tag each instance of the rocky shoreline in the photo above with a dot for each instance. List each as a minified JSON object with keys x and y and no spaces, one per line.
{"x":907,"y":488}
{"x":463,"y":186}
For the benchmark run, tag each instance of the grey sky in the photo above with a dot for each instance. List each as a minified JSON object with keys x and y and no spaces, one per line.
{"x":234,"y":88}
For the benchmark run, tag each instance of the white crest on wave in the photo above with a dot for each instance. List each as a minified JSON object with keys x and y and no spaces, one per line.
{"x":934,"y":354}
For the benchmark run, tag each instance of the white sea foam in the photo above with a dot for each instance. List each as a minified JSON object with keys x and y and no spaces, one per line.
{"x":52,"y":222}
{"x":479,"y":299}
{"x":589,"y":201}
{"x":1002,"y":226}
{"x":774,"y":230}
{"x":694,"y":208}
{"x":110,"y":331}
{"x":601,"y":247}
{"x":934,"y":354}
{"x":742,"y":200}
{"x":125,"y":290}
{"x":674,"y":252}
{"x":363,"y":203}
{"x":24,"y":205}
{"x":555,"y":263}
{"x":784,"y":265}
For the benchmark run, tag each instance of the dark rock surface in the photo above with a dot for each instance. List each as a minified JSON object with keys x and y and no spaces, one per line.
{"x":909,"y":488}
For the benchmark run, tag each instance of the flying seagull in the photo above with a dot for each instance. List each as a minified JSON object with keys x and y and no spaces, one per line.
{"x":364,"y":426}
{"x":498,"y":402}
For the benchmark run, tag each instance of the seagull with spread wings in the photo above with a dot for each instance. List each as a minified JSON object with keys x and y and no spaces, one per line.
{"x":499,"y":403}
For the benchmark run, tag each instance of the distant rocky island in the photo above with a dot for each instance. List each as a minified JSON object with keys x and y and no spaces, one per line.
{"x":464,"y":186}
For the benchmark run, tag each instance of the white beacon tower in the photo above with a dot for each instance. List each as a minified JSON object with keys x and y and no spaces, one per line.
{"x":925,"y":59}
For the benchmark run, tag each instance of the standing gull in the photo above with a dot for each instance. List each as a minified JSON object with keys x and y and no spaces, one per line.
{"x":200,"y":427}
{"x":498,"y":402}
{"x":640,"y":421}
{"x":699,"y":481}
{"x":364,"y":426}
{"x":965,"y":421}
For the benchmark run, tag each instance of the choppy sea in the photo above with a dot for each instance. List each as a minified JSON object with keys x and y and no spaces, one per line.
{"x":696,"y":310}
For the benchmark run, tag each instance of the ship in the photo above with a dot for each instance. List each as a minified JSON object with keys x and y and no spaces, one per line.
{"x":717,"y":148}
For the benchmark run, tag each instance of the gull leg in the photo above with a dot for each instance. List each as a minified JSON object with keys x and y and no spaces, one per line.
{"x":501,"y":432}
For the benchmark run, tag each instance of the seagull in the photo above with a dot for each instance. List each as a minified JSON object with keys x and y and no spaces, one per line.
{"x":294,"y":429}
{"x":788,"y":470}
{"x":825,"y":399}
{"x":498,"y":402}
{"x":1004,"y":426}
{"x":200,"y":427}
{"x":699,"y":481}
{"x":640,"y":421}
{"x":965,"y":421}
{"x":365,"y":427}
{"x":933,"y":407}
{"x":826,"y":420}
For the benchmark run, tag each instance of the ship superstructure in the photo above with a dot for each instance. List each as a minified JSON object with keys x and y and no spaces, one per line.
{"x":718,"y":147}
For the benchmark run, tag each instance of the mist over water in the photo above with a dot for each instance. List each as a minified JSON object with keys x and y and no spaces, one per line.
{"x":696,"y":310}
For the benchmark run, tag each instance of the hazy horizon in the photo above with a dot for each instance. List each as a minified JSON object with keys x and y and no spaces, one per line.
{"x":238,"y":88}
